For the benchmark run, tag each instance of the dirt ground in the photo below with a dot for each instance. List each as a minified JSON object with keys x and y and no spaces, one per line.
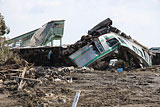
{"x":137,"y":88}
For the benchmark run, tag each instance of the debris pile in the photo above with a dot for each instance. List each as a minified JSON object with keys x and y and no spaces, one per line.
{"x":49,"y":86}
{"x":37,"y":85}
{"x":44,"y":56}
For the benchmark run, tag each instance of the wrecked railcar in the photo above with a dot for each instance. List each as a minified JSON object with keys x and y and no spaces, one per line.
{"x":105,"y":41}
{"x":43,"y":36}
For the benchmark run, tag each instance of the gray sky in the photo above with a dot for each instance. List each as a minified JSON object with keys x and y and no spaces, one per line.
{"x":138,"y":18}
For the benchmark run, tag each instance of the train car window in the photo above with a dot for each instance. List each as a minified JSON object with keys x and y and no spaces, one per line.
{"x":135,"y":49}
{"x":154,"y":49}
{"x":112,"y":42}
{"x":93,"y":46}
{"x":140,"y":52}
{"x":144,"y":53}
{"x":122,"y":40}
{"x":100,"y":48}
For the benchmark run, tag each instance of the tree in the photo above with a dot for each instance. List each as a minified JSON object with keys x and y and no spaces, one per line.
{"x":3,"y":28}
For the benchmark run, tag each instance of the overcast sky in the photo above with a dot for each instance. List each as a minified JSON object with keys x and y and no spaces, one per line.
{"x":138,"y":18}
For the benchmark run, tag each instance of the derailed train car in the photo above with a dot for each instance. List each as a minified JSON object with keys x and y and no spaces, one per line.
{"x":106,"y":41}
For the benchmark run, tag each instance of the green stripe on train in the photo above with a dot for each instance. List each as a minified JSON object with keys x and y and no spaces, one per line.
{"x":81,"y":54}
{"x":102,"y":54}
{"x":107,"y":38}
{"x":88,"y":49}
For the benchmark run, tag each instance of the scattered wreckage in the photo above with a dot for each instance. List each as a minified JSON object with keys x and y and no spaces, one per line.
{"x":51,"y":86}
{"x":103,"y":44}
{"x":35,"y":86}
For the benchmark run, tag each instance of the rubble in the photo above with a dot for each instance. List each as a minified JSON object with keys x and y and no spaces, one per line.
{"x":107,"y":75}
{"x":30,"y":83}
{"x":52,"y":86}
{"x":39,"y":56}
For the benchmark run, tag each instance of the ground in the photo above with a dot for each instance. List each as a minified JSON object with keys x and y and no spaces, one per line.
{"x":136,"y":88}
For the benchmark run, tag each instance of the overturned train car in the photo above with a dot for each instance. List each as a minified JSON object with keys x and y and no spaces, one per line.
{"x":107,"y":42}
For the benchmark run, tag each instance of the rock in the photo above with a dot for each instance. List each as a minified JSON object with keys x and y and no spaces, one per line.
{"x":156,"y":74}
{"x":43,"y":105}
{"x":57,"y":79}
{"x":113,"y":70}
{"x":59,"y":69}
{"x":86,"y":68}
{"x":1,"y":81}
{"x":91,"y":69}
{"x":71,"y":68}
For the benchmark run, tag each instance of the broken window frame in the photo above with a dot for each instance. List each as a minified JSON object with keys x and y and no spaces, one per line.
{"x":112,"y":43}
{"x":121,"y":40}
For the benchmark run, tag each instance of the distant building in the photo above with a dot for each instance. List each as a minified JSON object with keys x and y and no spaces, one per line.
{"x":156,"y":55}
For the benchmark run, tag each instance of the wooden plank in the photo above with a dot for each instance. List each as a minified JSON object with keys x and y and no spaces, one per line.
{"x":22,"y":76}
{"x":11,"y":74}
{"x":29,"y":79}
{"x":16,"y":70}
{"x":24,"y":71}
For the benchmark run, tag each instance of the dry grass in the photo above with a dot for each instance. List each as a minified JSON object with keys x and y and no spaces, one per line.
{"x":8,"y":57}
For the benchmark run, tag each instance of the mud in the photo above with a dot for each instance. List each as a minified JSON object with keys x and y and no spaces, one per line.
{"x":136,"y":88}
